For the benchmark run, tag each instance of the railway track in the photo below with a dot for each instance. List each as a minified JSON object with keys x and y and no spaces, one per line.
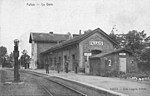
{"x":39,"y":83}
{"x":63,"y":90}
{"x":45,"y":89}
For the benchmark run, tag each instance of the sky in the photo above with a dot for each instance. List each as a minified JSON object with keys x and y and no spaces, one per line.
{"x":20,"y":17}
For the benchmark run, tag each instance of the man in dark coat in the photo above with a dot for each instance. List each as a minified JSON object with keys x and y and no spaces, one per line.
{"x":76,"y":65}
{"x":47,"y":67}
{"x":58,"y":67}
{"x":66,"y":66}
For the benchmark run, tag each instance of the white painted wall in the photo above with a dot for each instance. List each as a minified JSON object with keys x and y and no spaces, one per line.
{"x":34,"y":56}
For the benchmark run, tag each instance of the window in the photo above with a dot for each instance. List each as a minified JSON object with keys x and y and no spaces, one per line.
{"x":65,"y":58}
{"x":59,"y":59}
{"x":94,"y":52}
{"x":55,"y":61}
{"x":73,"y":57}
{"x":85,"y":59}
{"x":109,"y":62}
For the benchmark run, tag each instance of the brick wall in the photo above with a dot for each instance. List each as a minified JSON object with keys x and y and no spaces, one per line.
{"x":69,"y":52}
{"x":115,"y":64}
{"x":85,"y":46}
{"x":41,"y":47}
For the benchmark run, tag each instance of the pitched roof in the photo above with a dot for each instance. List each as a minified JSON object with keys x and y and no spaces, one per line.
{"x":80,"y":38}
{"x":47,"y":37}
{"x":111,"y":52}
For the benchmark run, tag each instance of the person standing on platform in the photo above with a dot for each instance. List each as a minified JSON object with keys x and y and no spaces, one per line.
{"x":47,"y":67}
{"x":58,"y":67}
{"x":66,"y":66}
{"x":76,"y":65}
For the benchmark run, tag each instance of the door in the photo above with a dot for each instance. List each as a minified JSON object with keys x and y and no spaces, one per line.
{"x":122,"y":64}
{"x":86,"y":62}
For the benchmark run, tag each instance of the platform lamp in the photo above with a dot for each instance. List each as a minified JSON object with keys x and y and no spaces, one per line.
{"x":16,"y":63}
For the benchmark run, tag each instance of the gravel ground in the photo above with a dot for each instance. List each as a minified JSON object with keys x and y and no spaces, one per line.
{"x":27,"y":87}
{"x":31,"y":85}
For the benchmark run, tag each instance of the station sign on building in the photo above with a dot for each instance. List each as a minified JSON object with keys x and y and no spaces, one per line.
{"x":96,"y":43}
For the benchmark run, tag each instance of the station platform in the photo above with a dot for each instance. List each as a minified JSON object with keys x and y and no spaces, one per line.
{"x":123,"y":86}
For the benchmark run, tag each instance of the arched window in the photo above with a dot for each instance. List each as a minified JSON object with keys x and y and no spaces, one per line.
{"x":94,"y":52}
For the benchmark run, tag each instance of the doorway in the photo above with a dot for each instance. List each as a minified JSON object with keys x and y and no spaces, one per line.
{"x":65,"y":58}
{"x":73,"y":60}
{"x":122,"y":66}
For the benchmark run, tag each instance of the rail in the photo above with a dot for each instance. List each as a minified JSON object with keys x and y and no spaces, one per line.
{"x":47,"y":90}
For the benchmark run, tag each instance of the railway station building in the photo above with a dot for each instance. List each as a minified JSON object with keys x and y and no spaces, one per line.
{"x":41,"y":42}
{"x":79,"y":49}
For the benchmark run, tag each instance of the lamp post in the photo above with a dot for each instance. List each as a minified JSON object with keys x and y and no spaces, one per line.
{"x":16,"y":66}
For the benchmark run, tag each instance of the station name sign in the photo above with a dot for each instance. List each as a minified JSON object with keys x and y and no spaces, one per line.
{"x":96,"y":43}
{"x":122,"y":53}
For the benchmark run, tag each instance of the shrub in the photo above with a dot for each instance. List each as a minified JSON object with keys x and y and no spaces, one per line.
{"x":136,"y":75}
{"x":111,"y":73}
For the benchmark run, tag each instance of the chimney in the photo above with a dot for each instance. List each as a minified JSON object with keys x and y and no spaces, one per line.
{"x":69,"y":34}
{"x":79,"y":32}
{"x":51,"y":32}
